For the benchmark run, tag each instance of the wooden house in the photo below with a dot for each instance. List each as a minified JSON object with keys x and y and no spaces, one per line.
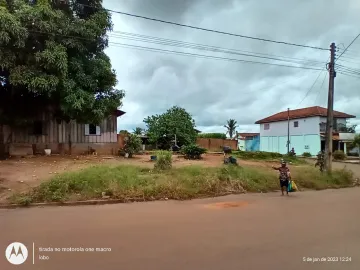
{"x":62,"y":137}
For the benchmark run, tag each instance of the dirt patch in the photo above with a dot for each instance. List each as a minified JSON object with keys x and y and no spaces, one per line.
{"x":224,"y":205}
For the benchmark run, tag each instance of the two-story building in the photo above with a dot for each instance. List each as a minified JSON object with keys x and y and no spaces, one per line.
{"x":306,"y":129}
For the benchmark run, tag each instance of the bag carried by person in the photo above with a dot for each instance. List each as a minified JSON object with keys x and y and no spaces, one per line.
{"x":289,"y":186}
{"x":292,"y":186}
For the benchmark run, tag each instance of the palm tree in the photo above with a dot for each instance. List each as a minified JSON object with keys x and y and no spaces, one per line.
{"x":231,"y":126}
{"x":138,"y":131}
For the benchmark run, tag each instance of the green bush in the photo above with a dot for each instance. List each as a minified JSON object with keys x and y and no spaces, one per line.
{"x":193,"y":151}
{"x":163,"y":160}
{"x":339,"y":155}
{"x":258,"y":155}
{"x":306,"y":154}
{"x":212,"y":135}
{"x":132,"y":144}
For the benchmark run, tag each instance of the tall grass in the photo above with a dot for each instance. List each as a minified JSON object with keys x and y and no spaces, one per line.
{"x":163,"y":160}
{"x":135,"y":183}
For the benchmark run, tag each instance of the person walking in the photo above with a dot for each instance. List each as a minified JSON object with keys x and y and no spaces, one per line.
{"x":284,"y":177}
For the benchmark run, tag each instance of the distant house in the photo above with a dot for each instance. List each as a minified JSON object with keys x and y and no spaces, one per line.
{"x":248,"y":141}
{"x":61,"y":137}
{"x":307,"y":131}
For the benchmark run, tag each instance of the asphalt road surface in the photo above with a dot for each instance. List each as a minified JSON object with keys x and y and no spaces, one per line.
{"x":263,"y":231}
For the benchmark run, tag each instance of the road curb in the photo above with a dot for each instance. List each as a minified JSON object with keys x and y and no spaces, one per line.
{"x":78,"y":203}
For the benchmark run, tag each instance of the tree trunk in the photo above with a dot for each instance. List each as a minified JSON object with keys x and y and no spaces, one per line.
{"x":2,"y":143}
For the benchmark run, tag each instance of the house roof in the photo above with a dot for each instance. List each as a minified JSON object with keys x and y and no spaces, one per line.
{"x":119,"y":113}
{"x":302,"y":113}
{"x":248,"y":134}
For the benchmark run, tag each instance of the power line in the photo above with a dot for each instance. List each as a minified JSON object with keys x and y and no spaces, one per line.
{"x":350,"y":75}
{"x":322,"y":84}
{"x":189,"y":45}
{"x":123,"y":45}
{"x":210,"y":30}
{"x":343,"y":68}
{"x":348,"y":46}
{"x":210,"y":57}
{"x":308,"y":92}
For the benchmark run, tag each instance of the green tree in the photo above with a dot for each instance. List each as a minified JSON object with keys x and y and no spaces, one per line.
{"x":132,"y":144}
{"x":212,"y":135}
{"x":52,"y":61}
{"x":347,"y":128}
{"x":231,"y":126}
{"x":356,"y":143}
{"x":138,"y":131}
{"x":161,"y":129}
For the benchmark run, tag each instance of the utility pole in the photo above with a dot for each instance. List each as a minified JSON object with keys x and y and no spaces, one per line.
{"x":288,"y":133}
{"x":330,"y":112}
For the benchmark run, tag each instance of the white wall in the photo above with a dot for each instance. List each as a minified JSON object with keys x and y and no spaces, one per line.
{"x":306,"y":126}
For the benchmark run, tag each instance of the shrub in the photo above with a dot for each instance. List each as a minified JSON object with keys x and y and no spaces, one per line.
{"x":306,"y":154}
{"x":163,"y":160}
{"x":132,"y":144}
{"x":193,"y":151}
{"x":258,"y":155}
{"x":212,"y":135}
{"x":339,"y":155}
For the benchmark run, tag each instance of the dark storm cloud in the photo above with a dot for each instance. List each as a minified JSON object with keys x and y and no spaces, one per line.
{"x":214,"y":91}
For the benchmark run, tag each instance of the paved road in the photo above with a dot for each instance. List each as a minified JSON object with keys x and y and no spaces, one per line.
{"x":265,"y":232}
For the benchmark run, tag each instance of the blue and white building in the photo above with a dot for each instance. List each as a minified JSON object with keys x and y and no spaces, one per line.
{"x":307,"y":129}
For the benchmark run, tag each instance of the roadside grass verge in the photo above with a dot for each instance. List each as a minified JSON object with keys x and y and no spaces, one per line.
{"x":131,"y":183}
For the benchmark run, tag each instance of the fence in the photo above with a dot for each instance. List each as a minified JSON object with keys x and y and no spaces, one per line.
{"x":210,"y":144}
{"x":216,"y":144}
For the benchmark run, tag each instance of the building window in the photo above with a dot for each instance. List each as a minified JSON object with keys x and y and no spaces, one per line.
{"x":266,"y":126}
{"x":92,"y":129}
{"x":296,"y":124}
{"x":37,"y":128}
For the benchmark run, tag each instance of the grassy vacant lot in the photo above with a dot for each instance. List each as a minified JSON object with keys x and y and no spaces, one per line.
{"x":129,"y":182}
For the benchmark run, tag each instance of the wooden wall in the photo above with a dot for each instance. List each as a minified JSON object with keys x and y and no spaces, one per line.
{"x":57,"y":133}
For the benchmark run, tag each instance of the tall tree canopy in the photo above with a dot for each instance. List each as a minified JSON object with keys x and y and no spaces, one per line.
{"x":161,"y":129}
{"x":231,"y":126}
{"x":52,"y":60}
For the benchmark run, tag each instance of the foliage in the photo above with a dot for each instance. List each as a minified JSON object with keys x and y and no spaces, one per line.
{"x":312,"y":178}
{"x":339,"y":155}
{"x":231,"y":126}
{"x":193,"y":151}
{"x":347,"y":128}
{"x":130,"y":183}
{"x":138,"y":131}
{"x":123,"y":131}
{"x":163,"y":160}
{"x":260,"y":155}
{"x":52,"y":61}
{"x":161,"y":129}
{"x":212,"y":135}
{"x":270,"y":156}
{"x":306,"y":154}
{"x":133,"y":144}
{"x":356,"y":143}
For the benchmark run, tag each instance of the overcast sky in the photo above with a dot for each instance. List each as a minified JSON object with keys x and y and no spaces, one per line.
{"x":216,"y":90}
